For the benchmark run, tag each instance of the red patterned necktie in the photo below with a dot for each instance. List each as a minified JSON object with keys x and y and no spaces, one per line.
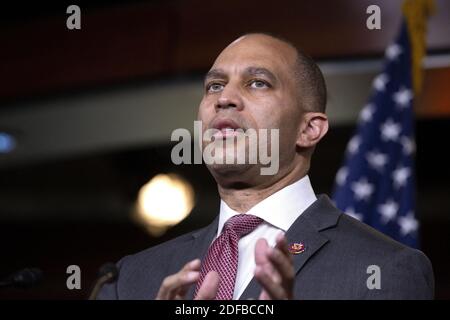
{"x":223,"y":254}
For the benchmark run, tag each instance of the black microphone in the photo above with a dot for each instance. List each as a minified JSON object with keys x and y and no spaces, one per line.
{"x":107,"y":273}
{"x":24,"y":278}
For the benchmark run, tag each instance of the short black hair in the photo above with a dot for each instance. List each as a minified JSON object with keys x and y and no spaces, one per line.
{"x":311,"y":83}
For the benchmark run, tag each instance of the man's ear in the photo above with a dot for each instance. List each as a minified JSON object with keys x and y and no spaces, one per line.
{"x":313,"y":127}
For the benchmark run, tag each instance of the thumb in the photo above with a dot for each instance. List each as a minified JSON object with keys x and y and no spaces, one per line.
{"x":261,"y":248}
{"x":209,"y":287}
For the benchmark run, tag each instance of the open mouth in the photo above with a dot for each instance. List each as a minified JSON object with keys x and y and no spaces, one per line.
{"x":226,"y":128}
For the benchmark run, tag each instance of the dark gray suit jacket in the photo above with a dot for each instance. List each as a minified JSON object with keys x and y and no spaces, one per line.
{"x":339,"y":250}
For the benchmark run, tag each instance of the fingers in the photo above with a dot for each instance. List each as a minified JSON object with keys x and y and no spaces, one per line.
{"x":281,"y":243}
{"x":262,"y":261}
{"x":282,"y":261}
{"x":176,"y":285}
{"x":274,"y":269}
{"x":261,"y":248}
{"x":262,"y":252}
{"x":272,"y":289}
{"x":209,"y":287}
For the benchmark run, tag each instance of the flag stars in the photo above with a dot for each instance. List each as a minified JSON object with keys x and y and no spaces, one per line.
{"x":341,"y":176}
{"x":362,"y":189}
{"x":367,"y":113}
{"x":400,"y":176}
{"x":388,"y":210}
{"x":380,"y":82}
{"x":393,"y":51}
{"x":408,"y":224}
{"x":376,"y":182}
{"x":354,"y":144}
{"x":390,"y":130}
{"x":403,"y":97}
{"x":408,"y":145}
{"x":377,"y":160}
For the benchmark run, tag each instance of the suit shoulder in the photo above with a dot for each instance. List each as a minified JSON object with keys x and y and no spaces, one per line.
{"x":141,"y":273}
{"x":364,"y":236}
{"x":162,"y":249}
{"x":407,"y":272}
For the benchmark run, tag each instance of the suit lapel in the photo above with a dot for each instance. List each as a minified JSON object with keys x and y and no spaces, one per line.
{"x":306,"y":229}
{"x":201,"y":241}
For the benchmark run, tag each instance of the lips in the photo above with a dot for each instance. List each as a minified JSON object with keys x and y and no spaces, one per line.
{"x":226,"y":127}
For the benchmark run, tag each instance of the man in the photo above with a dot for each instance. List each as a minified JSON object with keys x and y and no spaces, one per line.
{"x":273,"y":238}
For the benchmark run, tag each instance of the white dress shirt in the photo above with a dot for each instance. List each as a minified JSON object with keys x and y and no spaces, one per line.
{"x":279,"y":211}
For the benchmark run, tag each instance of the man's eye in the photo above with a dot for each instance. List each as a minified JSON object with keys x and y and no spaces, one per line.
{"x":214,"y":87}
{"x":259,"y":84}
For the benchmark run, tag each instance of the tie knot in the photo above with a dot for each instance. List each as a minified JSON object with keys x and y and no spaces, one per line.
{"x":242,"y":224}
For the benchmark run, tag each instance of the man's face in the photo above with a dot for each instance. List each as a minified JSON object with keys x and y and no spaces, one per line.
{"x":252,"y":85}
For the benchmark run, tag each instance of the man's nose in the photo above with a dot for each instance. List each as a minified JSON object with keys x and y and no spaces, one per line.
{"x":229,"y":98}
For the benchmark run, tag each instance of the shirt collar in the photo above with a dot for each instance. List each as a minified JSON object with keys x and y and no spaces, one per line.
{"x":280,"y":209}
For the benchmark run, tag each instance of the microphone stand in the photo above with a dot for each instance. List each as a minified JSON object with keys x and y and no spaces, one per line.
{"x":108,"y":273}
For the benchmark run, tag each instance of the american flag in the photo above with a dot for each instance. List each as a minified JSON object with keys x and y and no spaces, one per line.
{"x":376,"y":182}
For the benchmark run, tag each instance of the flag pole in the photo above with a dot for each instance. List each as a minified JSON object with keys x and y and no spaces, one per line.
{"x":416,"y":13}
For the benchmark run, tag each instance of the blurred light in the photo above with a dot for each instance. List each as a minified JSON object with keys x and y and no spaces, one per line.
{"x":163,"y":202}
{"x":7,"y":142}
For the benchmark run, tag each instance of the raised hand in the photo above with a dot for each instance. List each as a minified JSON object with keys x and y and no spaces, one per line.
{"x":274,"y":269}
